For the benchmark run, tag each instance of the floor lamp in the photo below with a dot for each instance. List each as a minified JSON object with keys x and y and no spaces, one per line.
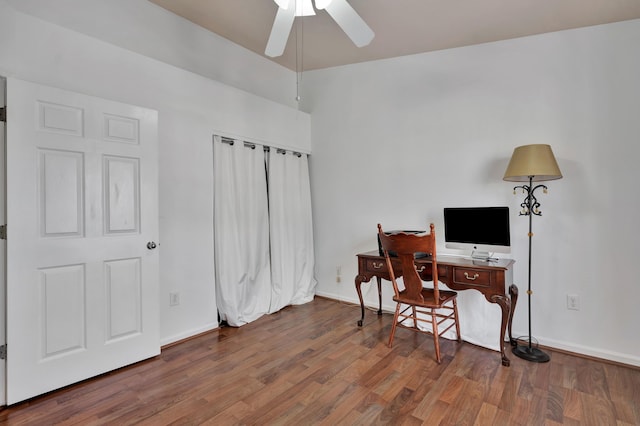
{"x":531,"y":163}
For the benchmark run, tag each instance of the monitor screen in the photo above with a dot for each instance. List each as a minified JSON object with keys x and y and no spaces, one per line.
{"x":479,"y":229}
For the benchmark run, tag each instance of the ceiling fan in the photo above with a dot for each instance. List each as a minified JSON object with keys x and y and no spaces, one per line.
{"x":341,"y":12}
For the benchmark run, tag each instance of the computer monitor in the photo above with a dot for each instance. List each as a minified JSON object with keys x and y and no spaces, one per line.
{"x":482,"y":230}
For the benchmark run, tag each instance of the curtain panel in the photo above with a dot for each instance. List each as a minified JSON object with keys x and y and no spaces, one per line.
{"x":241,"y":233}
{"x":291,"y":231}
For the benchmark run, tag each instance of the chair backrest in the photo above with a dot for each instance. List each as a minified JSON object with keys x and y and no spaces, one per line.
{"x":406,"y":246}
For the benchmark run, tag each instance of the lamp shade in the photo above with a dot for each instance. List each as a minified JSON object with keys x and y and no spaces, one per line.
{"x":532,"y":161}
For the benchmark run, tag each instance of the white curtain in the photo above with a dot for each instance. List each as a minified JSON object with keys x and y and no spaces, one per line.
{"x":241,"y":226}
{"x":292,"y":256}
{"x":263,"y":238}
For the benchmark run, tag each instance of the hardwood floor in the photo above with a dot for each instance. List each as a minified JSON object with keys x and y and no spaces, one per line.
{"x":311,"y":364}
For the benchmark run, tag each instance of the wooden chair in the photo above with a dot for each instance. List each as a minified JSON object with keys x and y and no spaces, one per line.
{"x":427,"y":305}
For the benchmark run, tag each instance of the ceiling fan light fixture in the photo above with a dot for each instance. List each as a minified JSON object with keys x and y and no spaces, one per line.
{"x":304,"y":8}
{"x":340,"y":10}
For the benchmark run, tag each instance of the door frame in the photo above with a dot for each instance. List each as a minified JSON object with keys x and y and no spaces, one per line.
{"x":3,"y":244}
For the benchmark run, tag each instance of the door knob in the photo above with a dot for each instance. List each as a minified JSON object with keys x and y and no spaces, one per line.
{"x":151,"y":245}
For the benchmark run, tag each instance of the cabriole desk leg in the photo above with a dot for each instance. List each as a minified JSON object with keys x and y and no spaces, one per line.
{"x":505,"y":305}
{"x":359,"y":280}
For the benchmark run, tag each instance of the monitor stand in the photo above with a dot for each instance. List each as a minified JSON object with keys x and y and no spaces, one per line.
{"x":485,"y":256}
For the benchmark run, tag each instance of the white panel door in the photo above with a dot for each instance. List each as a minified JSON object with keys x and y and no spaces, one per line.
{"x":82,"y":284}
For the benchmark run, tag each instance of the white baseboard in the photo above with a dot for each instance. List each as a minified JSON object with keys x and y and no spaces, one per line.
{"x":588,"y":351}
{"x":185,"y":335}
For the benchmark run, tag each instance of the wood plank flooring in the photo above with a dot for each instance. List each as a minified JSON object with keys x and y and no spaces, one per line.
{"x":311,"y":365}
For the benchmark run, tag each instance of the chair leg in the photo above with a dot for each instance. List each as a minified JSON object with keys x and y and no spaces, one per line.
{"x":415,"y":317}
{"x":455,"y":317}
{"x":393,"y":326}
{"x":436,"y":341}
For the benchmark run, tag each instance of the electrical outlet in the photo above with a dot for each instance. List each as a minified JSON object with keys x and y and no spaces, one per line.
{"x":573,"y":302}
{"x":338,"y":273}
{"x":174,"y":299}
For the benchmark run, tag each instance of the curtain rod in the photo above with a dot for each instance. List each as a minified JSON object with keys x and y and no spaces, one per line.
{"x":264,"y":147}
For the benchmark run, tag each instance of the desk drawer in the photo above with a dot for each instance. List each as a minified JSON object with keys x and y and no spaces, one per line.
{"x":376,"y":266}
{"x":472,"y":277}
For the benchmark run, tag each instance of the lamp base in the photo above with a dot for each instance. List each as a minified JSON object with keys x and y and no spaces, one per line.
{"x":530,"y":353}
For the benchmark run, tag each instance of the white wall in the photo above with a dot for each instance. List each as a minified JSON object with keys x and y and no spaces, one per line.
{"x":190,"y":108}
{"x":395,"y":141}
{"x":143,"y":27}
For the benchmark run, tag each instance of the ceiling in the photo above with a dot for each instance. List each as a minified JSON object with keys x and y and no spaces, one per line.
{"x":402,"y":27}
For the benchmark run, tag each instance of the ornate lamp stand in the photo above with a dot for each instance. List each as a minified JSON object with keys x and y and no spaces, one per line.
{"x":531,"y":163}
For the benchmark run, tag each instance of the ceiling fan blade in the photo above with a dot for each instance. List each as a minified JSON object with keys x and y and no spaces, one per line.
{"x":280,"y":32}
{"x":350,"y":22}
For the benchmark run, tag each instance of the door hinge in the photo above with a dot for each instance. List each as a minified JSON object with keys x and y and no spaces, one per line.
{"x":3,"y":232}
{"x":3,"y":114}
{"x":3,"y":352}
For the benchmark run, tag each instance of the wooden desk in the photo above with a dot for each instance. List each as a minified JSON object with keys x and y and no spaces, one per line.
{"x":492,"y":279}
